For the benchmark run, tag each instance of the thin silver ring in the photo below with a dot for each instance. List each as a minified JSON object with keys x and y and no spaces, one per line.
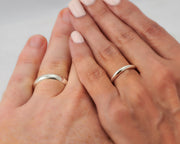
{"x":50,"y":76}
{"x":121,"y":70}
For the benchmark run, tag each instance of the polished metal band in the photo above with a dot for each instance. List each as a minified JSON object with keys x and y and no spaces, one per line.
{"x":121,"y":70}
{"x":50,"y":76}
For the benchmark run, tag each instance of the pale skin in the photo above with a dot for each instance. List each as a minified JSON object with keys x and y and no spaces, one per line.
{"x":50,"y":113}
{"x":141,"y":107}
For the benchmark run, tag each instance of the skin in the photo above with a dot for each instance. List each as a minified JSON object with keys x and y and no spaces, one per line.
{"x":142,"y":105}
{"x":139,"y":108}
{"x":50,"y":112}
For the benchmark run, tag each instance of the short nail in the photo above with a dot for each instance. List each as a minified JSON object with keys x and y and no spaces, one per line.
{"x":64,"y":15}
{"x":77,"y":37}
{"x":112,"y":2}
{"x":36,"y":42}
{"x":76,"y":8}
{"x":88,"y":2}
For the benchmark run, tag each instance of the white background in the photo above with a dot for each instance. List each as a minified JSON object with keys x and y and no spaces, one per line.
{"x":19,"y":19}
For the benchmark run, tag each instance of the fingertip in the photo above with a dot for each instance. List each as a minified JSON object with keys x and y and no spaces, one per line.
{"x":37,"y":41}
{"x":36,"y":45}
{"x":64,"y":15}
{"x":63,"y":24}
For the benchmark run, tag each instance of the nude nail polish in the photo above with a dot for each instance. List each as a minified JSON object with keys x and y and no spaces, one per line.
{"x":112,"y":2}
{"x":76,"y":8}
{"x":88,"y":2}
{"x":77,"y":37}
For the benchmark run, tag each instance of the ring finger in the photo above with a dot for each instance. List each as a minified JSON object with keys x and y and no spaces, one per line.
{"x":57,"y":59}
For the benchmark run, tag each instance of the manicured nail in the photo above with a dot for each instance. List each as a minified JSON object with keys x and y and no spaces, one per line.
{"x":76,"y":8}
{"x":36,"y":42}
{"x":87,"y":2}
{"x":77,"y":37}
{"x":112,"y":2}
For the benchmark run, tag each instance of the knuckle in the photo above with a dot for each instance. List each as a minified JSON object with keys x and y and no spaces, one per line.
{"x":17,"y":78}
{"x":95,"y":73}
{"x":87,"y":26}
{"x":26,"y":59}
{"x":108,"y":52}
{"x":125,"y":37}
{"x":20,"y":79}
{"x":80,"y":58}
{"x":60,"y":65}
{"x":88,"y":70}
{"x":139,"y":97}
{"x":118,"y":113}
{"x":100,"y":12}
{"x":164,"y":77}
{"x":153,"y":29}
{"x":127,"y":11}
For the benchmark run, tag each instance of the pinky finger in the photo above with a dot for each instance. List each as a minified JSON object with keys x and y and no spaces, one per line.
{"x":20,"y":87}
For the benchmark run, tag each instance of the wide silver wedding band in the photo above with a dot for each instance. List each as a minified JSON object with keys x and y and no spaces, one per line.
{"x":121,"y":70}
{"x":52,"y":77}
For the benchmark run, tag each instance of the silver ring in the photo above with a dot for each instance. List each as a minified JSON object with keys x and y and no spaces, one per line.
{"x":50,"y":76}
{"x":121,"y":70}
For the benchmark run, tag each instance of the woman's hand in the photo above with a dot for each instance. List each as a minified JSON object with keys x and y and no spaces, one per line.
{"x":50,"y":113}
{"x":143,"y":106}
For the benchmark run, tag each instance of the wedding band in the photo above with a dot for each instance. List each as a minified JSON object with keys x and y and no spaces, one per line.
{"x":52,"y":77}
{"x":121,"y":70}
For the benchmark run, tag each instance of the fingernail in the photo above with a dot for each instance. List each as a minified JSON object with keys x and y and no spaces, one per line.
{"x":64,"y":15}
{"x":36,"y":42}
{"x":76,"y":8}
{"x":112,"y":2}
{"x":88,"y":2}
{"x":77,"y":37}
